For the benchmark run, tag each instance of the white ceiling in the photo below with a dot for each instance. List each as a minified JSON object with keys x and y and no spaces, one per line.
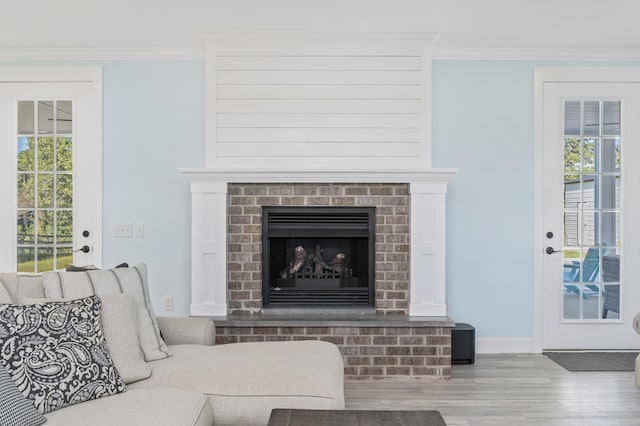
{"x":541,"y":24}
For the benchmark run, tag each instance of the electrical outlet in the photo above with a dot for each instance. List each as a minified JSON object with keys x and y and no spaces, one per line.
{"x":122,"y":230}
{"x":138,"y":230}
{"x":168,"y":303}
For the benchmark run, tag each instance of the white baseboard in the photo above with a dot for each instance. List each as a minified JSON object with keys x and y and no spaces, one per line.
{"x":504,"y":345}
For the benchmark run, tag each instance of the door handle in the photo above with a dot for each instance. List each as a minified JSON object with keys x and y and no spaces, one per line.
{"x":84,"y":249}
{"x":551,"y":250}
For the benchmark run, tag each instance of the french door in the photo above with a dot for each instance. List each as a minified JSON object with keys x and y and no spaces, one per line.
{"x":50,"y":169}
{"x":591,"y":205}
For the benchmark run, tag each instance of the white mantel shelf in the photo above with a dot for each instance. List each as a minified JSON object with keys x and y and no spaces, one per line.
{"x":317,"y":176}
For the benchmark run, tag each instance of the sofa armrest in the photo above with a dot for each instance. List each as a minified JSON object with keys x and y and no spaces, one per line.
{"x":187,"y":330}
{"x":636,"y":323}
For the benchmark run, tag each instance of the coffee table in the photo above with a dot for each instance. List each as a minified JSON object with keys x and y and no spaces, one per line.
{"x":291,"y":417}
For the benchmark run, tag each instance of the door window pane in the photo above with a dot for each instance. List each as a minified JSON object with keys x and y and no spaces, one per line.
{"x":45,"y":190}
{"x":591,"y":118}
{"x":589,"y":155}
{"x":64,"y":154}
{"x":26,"y":259}
{"x":45,"y":117}
{"x":591,"y":210}
{"x":26,"y":153}
{"x":64,"y":117}
{"x":572,"y":158}
{"x":45,"y":185}
{"x":26,"y":118}
{"x":611,"y":118}
{"x":26,"y":190}
{"x":572,"y":117}
{"x":45,"y":154}
{"x":64,"y":191}
{"x":610,"y":155}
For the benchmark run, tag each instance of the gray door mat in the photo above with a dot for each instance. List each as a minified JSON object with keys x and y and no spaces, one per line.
{"x":594,"y":361}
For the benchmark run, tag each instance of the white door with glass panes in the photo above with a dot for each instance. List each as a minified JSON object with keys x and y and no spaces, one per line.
{"x":591,"y":198}
{"x":51,"y":175}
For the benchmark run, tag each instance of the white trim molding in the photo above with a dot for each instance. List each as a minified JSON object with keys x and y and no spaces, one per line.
{"x":531,"y":54}
{"x":50,"y":74}
{"x":101,"y":54}
{"x":199,"y":53}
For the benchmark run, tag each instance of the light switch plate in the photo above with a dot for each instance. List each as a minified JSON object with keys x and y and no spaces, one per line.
{"x":122,"y":230}
{"x":138,"y":230}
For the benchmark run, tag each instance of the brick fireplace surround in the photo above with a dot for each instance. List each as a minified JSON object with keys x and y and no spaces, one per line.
{"x":407,"y":335}
{"x":386,"y":346}
{"x":392,"y":236}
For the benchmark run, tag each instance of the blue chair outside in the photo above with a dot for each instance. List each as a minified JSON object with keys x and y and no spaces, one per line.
{"x":590,"y":268}
{"x":611,"y":274}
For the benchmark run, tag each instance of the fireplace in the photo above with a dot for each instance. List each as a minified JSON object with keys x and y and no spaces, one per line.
{"x":227,"y":233}
{"x":318,"y":257}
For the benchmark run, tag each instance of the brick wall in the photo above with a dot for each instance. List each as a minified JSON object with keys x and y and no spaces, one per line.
{"x":368,"y":352}
{"x":392,"y":236}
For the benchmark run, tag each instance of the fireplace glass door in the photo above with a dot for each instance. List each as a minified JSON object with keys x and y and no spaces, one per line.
{"x":318,"y":256}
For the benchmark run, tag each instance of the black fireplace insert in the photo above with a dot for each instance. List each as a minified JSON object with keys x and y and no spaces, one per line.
{"x":318,"y":256}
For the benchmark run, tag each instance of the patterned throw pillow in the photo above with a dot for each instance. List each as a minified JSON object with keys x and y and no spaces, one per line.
{"x":56,"y":352}
{"x":15,"y":409}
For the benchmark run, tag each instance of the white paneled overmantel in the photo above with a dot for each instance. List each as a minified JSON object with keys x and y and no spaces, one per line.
{"x":427,"y":188}
{"x":355,"y":100}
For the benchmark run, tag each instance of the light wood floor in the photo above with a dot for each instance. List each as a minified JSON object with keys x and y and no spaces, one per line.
{"x":523,"y":389}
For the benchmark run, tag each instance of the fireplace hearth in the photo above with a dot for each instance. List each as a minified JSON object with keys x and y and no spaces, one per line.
{"x":318,"y":257}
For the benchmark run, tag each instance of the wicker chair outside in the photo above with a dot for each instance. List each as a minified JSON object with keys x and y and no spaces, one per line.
{"x":611,"y":274}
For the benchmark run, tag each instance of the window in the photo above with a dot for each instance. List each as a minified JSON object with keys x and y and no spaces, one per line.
{"x":45,"y":185}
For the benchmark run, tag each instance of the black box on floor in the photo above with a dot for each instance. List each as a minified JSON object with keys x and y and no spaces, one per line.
{"x":463,"y":344}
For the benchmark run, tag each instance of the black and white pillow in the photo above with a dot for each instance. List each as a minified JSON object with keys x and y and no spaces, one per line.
{"x":15,"y":409}
{"x":56,"y":352}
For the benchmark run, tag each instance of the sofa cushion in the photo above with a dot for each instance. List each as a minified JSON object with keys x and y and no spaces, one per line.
{"x":16,"y":409}
{"x":56,"y":352}
{"x":132,"y":281}
{"x":148,"y":407}
{"x":245,"y":381}
{"x":121,"y":334}
{"x":5,"y":297}
{"x":20,"y":285}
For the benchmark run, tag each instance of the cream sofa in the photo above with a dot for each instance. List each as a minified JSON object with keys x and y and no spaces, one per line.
{"x":199,"y":383}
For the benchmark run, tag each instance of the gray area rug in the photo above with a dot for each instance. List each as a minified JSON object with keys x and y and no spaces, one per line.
{"x":594,"y":361}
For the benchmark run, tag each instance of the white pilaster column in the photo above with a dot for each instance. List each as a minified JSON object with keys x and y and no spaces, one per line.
{"x":209,"y":248}
{"x":427,"y":281}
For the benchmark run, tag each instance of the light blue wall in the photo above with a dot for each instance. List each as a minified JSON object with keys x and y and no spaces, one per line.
{"x":153,"y":119}
{"x":154,"y":123}
{"x":483,"y":124}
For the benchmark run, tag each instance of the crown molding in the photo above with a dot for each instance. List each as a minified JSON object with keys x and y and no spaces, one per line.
{"x":100,"y":54}
{"x":198,"y":54}
{"x":525,"y":54}
{"x":406,"y":37}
